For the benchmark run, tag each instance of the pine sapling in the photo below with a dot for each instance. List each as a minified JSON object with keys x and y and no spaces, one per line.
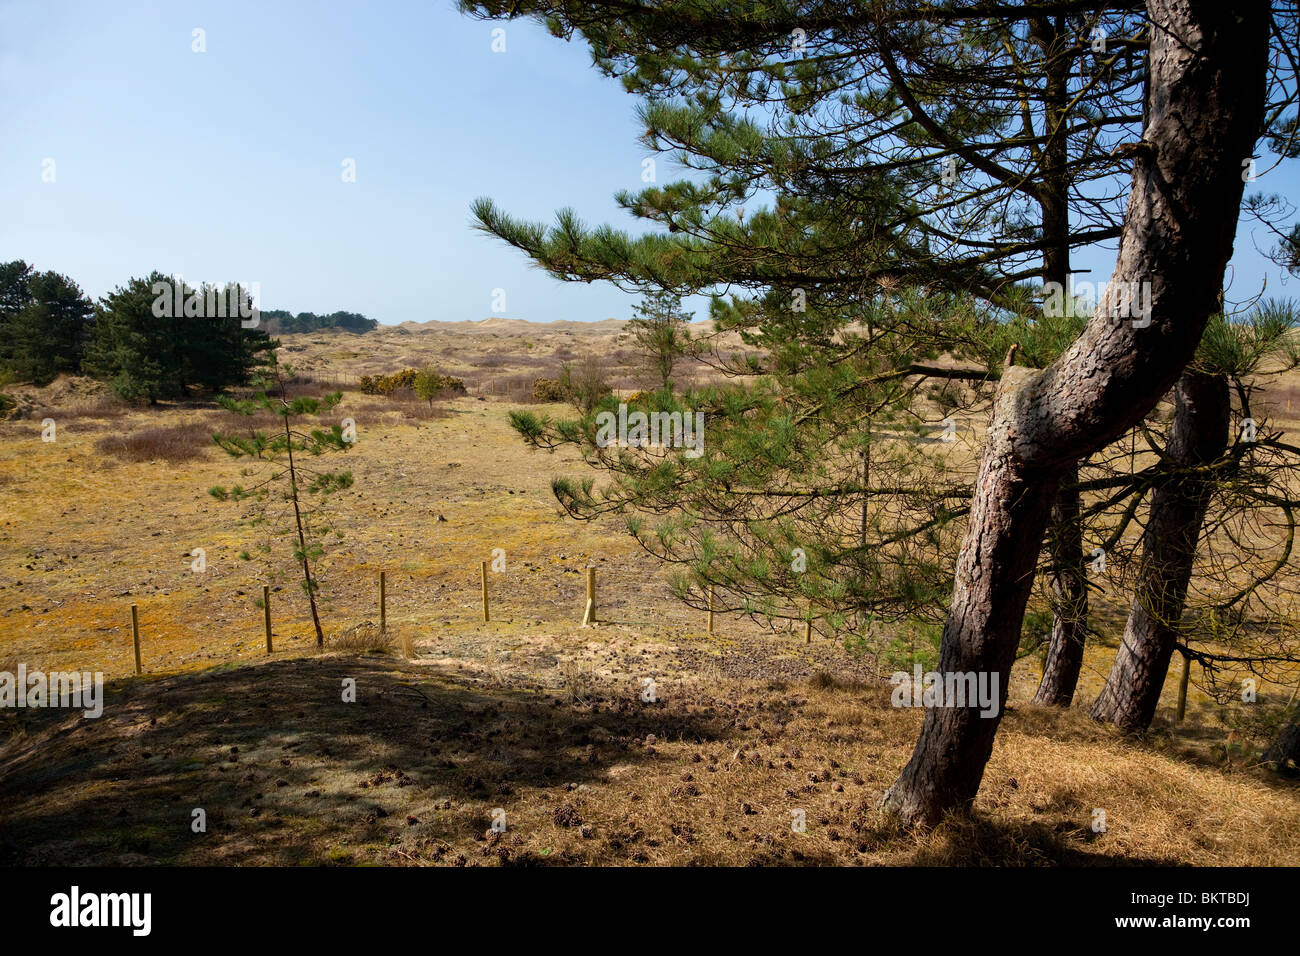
{"x":278,"y":457}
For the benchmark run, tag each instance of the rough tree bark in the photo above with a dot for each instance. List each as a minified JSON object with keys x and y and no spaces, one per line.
{"x":1070,"y":599}
{"x":1199,"y":435}
{"x":1204,"y":111}
{"x":1065,"y":533}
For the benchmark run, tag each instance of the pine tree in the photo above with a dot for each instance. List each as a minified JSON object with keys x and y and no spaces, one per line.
{"x":659,"y":329}
{"x":15,"y":278}
{"x":963,"y":198}
{"x":44,"y":323}
{"x":132,"y":348}
{"x":1219,"y":511}
{"x":279,"y":465}
{"x":924,"y":161}
{"x":156,"y":339}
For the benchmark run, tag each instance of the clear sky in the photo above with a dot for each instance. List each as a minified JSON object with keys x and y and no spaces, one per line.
{"x":227,"y":164}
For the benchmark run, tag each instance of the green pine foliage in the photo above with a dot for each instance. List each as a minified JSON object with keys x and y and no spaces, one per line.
{"x":659,"y":329}
{"x":147,"y":356}
{"x":45,"y":320}
{"x":875,"y":198}
{"x":284,"y":477}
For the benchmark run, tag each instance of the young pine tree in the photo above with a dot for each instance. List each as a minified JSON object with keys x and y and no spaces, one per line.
{"x":280,"y":464}
{"x":659,"y":329}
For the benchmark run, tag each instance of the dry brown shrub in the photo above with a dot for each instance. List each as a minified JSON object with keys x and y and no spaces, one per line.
{"x":170,"y":443}
{"x":363,"y":638}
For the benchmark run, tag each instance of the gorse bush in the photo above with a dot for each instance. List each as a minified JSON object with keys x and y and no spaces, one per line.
{"x":384,"y":384}
{"x":548,"y":390}
{"x":426,"y":383}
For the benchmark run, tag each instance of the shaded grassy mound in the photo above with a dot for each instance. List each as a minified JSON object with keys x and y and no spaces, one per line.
{"x":586,"y":773}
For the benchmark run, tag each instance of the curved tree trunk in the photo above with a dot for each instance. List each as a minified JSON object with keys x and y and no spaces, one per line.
{"x":1204,"y":107}
{"x":1070,"y":600}
{"x":983,"y":628}
{"x":1065,"y":533}
{"x":1198,"y":436}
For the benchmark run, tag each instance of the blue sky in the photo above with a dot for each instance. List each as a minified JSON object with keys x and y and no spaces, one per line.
{"x":226,"y":165}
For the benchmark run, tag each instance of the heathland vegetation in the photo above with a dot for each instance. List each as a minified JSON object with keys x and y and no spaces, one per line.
{"x":941,"y":496}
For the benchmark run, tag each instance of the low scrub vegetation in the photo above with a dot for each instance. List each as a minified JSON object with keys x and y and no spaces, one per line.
{"x":363,"y":638}
{"x":427,"y":383}
{"x":170,"y":443}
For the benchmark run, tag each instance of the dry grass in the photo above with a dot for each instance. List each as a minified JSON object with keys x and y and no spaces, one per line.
{"x":414,"y":408}
{"x":1281,"y":400}
{"x":104,"y":407}
{"x":507,"y":714}
{"x":516,"y":387}
{"x":363,"y":638}
{"x":577,"y":680}
{"x":412,"y":773}
{"x":169,"y":443}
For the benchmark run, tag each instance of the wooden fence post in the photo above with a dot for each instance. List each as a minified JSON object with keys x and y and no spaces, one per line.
{"x":266,"y":614}
{"x":710,"y":608}
{"x":1182,"y":688}
{"x":807,"y":631}
{"x":135,"y":637}
{"x":482,"y":568}
{"x":589,"y":615}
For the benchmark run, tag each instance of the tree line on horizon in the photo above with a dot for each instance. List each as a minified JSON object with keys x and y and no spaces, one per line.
{"x":282,"y":322}
{"x":153,"y":338}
